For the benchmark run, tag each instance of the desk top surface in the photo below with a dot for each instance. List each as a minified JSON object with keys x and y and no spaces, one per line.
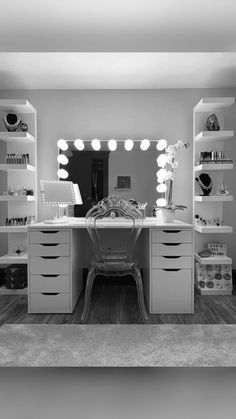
{"x":73,"y":222}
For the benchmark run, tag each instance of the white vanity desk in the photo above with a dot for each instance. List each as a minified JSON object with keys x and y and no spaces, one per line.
{"x":59,"y":252}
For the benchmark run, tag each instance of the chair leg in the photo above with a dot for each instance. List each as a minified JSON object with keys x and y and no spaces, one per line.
{"x":88,"y":291}
{"x":139,"y":283}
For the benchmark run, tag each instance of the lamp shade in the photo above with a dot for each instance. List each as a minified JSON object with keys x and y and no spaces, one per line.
{"x":78,"y":197}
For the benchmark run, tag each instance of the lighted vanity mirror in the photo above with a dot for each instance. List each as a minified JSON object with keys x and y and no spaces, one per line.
{"x":129,"y":174}
{"x":57,"y":192}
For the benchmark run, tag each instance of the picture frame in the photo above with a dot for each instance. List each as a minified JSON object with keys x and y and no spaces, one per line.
{"x":123,"y":182}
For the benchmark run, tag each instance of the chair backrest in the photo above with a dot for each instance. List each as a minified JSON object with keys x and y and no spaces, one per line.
{"x":126,"y":222}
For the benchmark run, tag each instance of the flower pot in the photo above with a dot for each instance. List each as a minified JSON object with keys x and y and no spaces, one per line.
{"x":167,"y":215}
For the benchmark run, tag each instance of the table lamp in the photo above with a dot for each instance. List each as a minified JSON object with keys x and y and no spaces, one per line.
{"x":59,"y":194}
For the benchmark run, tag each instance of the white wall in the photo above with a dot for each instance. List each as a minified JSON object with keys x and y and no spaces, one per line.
{"x":121,"y":114}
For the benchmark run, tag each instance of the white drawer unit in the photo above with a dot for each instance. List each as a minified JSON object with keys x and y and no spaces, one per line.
{"x":50,"y":283}
{"x":170,"y":275}
{"x":49,"y":249}
{"x":171,"y":236}
{"x":49,"y":265}
{"x":171,"y":291}
{"x":50,"y":236}
{"x":49,"y":302}
{"x":172,"y":249}
{"x":162,"y":262}
{"x":55,"y":277}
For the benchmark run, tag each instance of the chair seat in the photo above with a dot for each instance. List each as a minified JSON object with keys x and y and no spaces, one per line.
{"x":114,"y":268}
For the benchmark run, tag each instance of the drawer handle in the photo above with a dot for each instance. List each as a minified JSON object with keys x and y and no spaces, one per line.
{"x":171,"y":244}
{"x":171,"y":257}
{"x":49,"y":275}
{"x":49,"y":257}
{"x":171,"y":231}
{"x":49,"y":231}
{"x":50,"y":293}
{"x":171,"y":269}
{"x":49,"y":244}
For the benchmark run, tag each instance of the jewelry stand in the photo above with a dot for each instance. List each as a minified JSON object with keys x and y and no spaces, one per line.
{"x":205,"y":183}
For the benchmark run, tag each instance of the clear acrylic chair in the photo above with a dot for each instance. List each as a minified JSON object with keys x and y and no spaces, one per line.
{"x":114,"y":225}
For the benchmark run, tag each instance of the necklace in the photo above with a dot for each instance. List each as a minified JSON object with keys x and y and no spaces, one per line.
{"x":204,"y":187}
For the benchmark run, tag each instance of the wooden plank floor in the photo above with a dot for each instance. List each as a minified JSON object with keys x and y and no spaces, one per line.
{"x":116,"y":304}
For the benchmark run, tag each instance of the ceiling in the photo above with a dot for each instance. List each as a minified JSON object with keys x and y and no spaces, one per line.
{"x":139,"y":44}
{"x":118,"y":25}
{"x":116,"y":70}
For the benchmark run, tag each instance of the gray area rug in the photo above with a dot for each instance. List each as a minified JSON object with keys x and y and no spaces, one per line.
{"x":117,"y":345}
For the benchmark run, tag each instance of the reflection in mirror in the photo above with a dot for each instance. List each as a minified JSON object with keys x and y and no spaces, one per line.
{"x":129,"y":174}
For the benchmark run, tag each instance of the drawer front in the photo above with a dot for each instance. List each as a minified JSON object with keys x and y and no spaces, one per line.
{"x":171,"y":236}
{"x":50,"y":236}
{"x":49,"y":265}
{"x":49,"y":303}
{"x":168,"y":262}
{"x":49,"y":249}
{"x":49,"y":283}
{"x":171,"y":249}
{"x":171,"y":291}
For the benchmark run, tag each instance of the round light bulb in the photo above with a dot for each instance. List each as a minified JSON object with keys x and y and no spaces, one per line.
{"x":112,"y":145}
{"x":161,"y":160}
{"x":62,"y":144}
{"x":145,"y":144}
{"x":161,"y":188}
{"x":62,"y":173}
{"x":161,"y":202}
{"x":62,"y":159}
{"x":96,"y":144}
{"x":79,"y":144}
{"x":129,"y":144}
{"x":161,"y":144}
{"x":161,"y":173}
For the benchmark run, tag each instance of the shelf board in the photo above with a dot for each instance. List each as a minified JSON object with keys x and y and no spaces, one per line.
{"x":213,"y":135}
{"x":213,"y":260}
{"x":13,"y":258}
{"x":16,"y":106}
{"x":211,"y":291}
{"x":26,"y":167}
{"x":214,"y":198}
{"x":6,"y":291}
{"x":213,"y":166}
{"x":13,"y":229}
{"x":213,"y":229}
{"x":18,"y":137}
{"x":213,"y":103}
{"x":13,"y":198}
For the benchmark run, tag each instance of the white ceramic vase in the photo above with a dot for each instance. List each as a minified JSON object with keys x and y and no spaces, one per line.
{"x":167,"y":215}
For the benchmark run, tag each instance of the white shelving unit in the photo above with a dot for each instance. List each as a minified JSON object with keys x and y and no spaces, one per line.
{"x":212,"y":206}
{"x":17,"y":176}
{"x":14,"y":198}
{"x":213,"y":260}
{"x":213,"y":167}
{"x":214,"y":135}
{"x":214,"y":198}
{"x":23,"y":167}
{"x":23,"y":137}
{"x":213,"y":229}
{"x":13,"y":229}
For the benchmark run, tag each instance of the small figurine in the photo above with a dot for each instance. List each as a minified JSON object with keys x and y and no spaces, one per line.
{"x":212,"y":123}
{"x":23,"y":127}
{"x":223,"y":190}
